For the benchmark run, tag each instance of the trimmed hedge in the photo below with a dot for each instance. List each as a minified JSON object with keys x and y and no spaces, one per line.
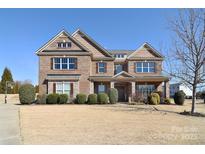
{"x":63,"y":98}
{"x":92,"y":99}
{"x":81,"y":99}
{"x":52,"y":98}
{"x":179,"y":97}
{"x":154,"y":99}
{"x":103,"y":98}
{"x":113,"y":95}
{"x":27,"y":94}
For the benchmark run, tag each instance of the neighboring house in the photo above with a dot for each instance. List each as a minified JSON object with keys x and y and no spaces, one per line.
{"x":180,"y":86}
{"x":76,"y":63}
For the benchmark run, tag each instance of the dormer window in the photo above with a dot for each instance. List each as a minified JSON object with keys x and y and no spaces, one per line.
{"x":64,"y":44}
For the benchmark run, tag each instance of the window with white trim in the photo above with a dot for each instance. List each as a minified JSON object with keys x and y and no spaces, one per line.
{"x":64,"y":63}
{"x":63,"y":88}
{"x":101,"y":67}
{"x":64,"y":44}
{"x":145,"y":67}
{"x":145,"y":89}
{"x":119,"y":55}
{"x":118,"y":68}
{"x":57,"y":63}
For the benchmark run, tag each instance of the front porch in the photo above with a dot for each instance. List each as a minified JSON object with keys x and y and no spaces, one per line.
{"x":128,"y":89}
{"x":128,"y":85}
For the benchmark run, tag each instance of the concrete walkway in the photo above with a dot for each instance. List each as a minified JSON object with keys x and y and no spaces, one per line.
{"x":9,"y":124}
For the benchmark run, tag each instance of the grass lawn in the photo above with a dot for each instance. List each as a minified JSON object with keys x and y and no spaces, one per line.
{"x":111,"y":124}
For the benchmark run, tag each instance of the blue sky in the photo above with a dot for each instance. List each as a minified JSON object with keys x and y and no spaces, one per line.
{"x":23,"y":31}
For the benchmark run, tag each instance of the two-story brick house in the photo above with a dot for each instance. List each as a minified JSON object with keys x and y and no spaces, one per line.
{"x":76,"y":63}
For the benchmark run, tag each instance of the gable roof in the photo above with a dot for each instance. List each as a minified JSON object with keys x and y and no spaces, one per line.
{"x":92,"y":41}
{"x":123,"y":73}
{"x":146,"y":45}
{"x":56,"y":36}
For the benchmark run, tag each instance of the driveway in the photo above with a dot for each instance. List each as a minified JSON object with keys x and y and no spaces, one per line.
{"x":9,"y":124}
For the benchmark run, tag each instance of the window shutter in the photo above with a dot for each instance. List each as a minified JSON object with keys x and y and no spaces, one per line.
{"x":135,"y":66}
{"x":54,"y":88}
{"x":52,"y":63}
{"x":105,"y":67}
{"x":155,"y":67}
{"x":76,"y":63}
{"x":96,"y":67}
{"x":71,"y":90}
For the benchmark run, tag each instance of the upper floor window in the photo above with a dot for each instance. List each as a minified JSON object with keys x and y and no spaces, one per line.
{"x":101,"y":67}
{"x":64,"y":63}
{"x":64,"y":44}
{"x":118,"y":68}
{"x":145,"y":67}
{"x":120,"y":55}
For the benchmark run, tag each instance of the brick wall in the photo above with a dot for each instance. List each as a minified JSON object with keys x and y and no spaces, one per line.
{"x":84,"y":68}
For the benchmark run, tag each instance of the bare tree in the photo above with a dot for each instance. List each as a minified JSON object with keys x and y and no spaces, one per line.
{"x":188,"y":54}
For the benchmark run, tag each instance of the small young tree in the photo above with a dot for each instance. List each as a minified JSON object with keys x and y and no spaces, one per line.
{"x":16,"y":87}
{"x":7,"y":76}
{"x":188,"y":55}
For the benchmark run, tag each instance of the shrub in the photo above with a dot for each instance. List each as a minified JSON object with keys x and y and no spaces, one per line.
{"x":113,"y":95}
{"x":157,"y":97}
{"x":103,"y":98}
{"x":52,"y":98}
{"x":160,"y":93}
{"x":179,"y":97}
{"x":203,"y":95}
{"x":63,"y":98}
{"x":27,"y":94}
{"x":199,"y":95}
{"x":81,"y":99}
{"x":153,"y":99}
{"x":92,"y":99}
{"x":41,"y":99}
{"x":167,"y":101}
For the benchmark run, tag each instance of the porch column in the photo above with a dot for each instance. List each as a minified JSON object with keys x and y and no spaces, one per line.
{"x":133,"y":88}
{"x":166,"y":89}
{"x":132,"y":92}
{"x":91,"y":87}
{"x":112,"y":84}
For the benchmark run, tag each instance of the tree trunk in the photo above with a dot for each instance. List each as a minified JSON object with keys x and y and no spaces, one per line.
{"x":193,"y":99}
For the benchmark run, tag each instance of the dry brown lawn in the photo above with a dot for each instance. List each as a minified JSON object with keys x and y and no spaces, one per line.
{"x":110,"y":124}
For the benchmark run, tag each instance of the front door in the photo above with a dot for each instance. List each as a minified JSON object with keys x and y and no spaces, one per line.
{"x":121,"y":93}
